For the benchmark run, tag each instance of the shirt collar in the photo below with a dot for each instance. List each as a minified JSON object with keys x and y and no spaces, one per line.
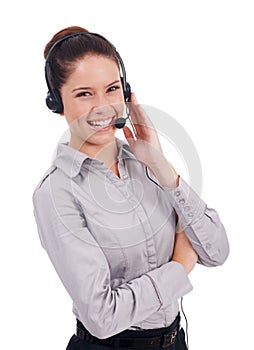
{"x":70,"y":160}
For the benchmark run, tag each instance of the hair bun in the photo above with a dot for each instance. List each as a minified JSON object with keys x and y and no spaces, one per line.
{"x":61,"y":34}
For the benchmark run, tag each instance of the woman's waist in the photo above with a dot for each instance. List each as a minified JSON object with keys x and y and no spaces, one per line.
{"x":161,"y":319}
{"x":158,"y":321}
{"x":145,"y":333}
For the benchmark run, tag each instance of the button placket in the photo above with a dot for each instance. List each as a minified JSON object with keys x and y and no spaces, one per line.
{"x":122,"y":170}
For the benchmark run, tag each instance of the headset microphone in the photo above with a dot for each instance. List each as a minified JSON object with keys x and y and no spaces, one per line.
{"x":120,"y":122}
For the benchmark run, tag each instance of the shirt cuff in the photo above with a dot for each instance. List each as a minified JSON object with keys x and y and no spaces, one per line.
{"x":187,"y":203}
{"x":170,"y":282}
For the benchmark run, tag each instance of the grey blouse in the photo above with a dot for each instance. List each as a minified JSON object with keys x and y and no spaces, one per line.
{"x":111,"y":239}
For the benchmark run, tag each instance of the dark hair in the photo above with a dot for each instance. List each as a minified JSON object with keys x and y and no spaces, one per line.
{"x":63,"y":57}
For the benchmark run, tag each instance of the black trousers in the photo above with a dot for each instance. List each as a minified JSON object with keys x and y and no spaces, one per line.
{"x":75,"y":343}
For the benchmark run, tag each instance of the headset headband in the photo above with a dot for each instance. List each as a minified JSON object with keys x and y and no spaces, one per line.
{"x":53,"y":99}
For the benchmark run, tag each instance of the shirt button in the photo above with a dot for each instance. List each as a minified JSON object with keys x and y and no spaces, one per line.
{"x":182,"y":201}
{"x":208,"y":246}
{"x":125,"y":176}
{"x":177,"y":193}
{"x":190,"y":214}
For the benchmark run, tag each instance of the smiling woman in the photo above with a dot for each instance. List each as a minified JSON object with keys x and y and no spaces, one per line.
{"x":122,"y":243}
{"x":85,"y":73}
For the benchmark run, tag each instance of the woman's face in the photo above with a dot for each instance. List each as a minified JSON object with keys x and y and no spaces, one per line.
{"x":92,"y":99}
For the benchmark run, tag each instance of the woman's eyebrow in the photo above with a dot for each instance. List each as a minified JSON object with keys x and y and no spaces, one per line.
{"x":82,"y":88}
{"x":114,"y":82}
{"x":90,"y":88}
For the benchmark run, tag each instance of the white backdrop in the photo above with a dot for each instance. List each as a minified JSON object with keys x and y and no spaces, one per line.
{"x":191,"y":59}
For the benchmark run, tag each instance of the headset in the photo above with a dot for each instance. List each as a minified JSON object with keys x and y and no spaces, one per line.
{"x":54,"y":100}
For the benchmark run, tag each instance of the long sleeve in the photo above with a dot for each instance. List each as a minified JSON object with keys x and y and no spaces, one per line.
{"x":201,"y":224}
{"x":84,"y":271}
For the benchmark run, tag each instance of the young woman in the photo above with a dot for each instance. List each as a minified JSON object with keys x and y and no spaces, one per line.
{"x":121,"y":227}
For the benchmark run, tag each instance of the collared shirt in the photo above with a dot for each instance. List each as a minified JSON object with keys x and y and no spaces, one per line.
{"x":111,"y":239}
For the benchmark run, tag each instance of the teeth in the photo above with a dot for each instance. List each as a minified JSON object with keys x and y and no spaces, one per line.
{"x":100,"y":123}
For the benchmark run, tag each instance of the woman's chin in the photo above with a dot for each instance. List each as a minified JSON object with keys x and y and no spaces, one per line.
{"x":102,"y":136}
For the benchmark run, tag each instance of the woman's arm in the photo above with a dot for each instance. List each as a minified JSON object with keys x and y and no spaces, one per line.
{"x":201,"y":224}
{"x":184,"y":252}
{"x":84,"y":271}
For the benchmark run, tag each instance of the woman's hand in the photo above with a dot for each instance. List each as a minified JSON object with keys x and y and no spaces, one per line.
{"x":147,"y":148}
{"x":184,"y":252}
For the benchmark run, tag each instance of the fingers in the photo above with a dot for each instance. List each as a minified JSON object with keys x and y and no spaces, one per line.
{"x":139,"y":117}
{"x":128,"y":135}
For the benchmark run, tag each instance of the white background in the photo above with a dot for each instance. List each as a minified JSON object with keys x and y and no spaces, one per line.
{"x":191,"y":59}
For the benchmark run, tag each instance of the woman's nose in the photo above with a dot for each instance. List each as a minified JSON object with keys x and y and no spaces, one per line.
{"x":101,"y":100}
{"x":102,"y":106}
{"x":104,"y":109}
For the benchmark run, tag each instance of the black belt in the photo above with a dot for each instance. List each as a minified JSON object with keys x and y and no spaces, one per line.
{"x":164,"y":340}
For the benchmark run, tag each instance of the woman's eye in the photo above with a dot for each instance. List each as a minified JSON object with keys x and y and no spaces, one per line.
{"x":83,"y":94}
{"x":114,"y":88}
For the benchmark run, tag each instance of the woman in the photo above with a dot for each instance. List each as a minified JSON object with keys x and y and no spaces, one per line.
{"x":122,"y":240}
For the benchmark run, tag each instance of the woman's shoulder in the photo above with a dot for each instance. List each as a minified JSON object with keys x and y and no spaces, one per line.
{"x":49,"y":171}
{"x":54,"y":187}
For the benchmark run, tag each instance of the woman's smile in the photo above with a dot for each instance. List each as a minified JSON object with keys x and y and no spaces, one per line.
{"x":102,"y":124}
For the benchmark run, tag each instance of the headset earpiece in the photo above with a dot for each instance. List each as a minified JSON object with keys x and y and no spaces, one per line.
{"x":126,"y":90}
{"x":54,"y":101}
{"x":127,"y":93}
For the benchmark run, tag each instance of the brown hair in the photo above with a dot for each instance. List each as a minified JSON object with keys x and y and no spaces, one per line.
{"x":62,"y":59}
